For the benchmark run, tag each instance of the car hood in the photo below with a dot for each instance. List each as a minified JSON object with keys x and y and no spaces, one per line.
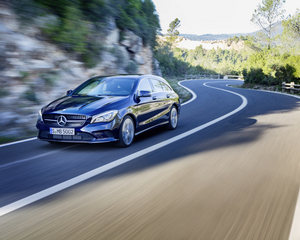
{"x":84,"y":104}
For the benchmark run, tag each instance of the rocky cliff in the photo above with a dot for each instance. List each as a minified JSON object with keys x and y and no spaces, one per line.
{"x":34,"y":71}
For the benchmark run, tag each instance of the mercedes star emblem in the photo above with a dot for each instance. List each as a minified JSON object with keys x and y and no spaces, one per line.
{"x":61,"y":121}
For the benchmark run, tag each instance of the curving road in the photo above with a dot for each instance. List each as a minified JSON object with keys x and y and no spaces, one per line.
{"x":229,"y":171}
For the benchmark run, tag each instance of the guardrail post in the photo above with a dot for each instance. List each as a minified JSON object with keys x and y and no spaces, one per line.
{"x":292,"y":87}
{"x":283,"y":87}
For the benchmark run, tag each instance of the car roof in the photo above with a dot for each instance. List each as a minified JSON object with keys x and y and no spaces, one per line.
{"x":135,"y":76}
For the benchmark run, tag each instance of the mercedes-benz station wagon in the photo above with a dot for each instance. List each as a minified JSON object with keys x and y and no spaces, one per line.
{"x":110,"y":109}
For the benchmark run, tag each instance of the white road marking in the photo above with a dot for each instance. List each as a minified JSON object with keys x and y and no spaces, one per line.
{"x":13,"y":143}
{"x":194,"y":95}
{"x":295,"y":229}
{"x":59,"y":187}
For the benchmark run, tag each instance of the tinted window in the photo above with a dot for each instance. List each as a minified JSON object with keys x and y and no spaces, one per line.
{"x":106,"y":86}
{"x":165,"y":87}
{"x":157,"y":86}
{"x":145,"y":85}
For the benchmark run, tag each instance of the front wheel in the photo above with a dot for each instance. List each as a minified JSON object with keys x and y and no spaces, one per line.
{"x":173,"y":118}
{"x":126,"y":132}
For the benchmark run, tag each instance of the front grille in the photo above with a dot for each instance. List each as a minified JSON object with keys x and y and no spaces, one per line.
{"x":72,"y":120}
{"x":78,"y":137}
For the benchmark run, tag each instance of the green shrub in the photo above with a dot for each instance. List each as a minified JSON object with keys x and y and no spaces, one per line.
{"x":255,"y":75}
{"x":97,"y":11}
{"x":139,"y":17}
{"x":3,"y":92}
{"x":69,"y":32}
{"x":30,"y":95}
{"x":131,"y":68}
{"x":92,"y":55}
{"x":26,"y":10}
{"x":24,"y":76}
{"x":50,"y":78}
{"x":286,"y":74}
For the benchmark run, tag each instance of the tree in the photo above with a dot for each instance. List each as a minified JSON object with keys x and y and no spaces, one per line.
{"x":152,"y":19}
{"x":138,"y":16}
{"x":173,"y":33}
{"x":292,"y":25}
{"x":266,"y":15}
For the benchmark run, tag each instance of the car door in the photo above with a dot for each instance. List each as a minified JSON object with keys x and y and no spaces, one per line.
{"x":145,"y":107}
{"x":161,"y":102}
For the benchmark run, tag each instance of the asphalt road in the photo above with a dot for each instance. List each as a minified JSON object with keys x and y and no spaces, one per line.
{"x":235,"y":178}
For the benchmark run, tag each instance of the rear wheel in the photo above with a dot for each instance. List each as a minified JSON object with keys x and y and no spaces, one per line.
{"x":173,"y":118}
{"x":126,"y":132}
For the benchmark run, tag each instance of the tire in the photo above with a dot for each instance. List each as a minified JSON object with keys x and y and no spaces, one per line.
{"x":126,"y":132}
{"x":173,"y":118}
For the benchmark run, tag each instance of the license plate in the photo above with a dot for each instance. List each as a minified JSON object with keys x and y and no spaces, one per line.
{"x":62,"y":131}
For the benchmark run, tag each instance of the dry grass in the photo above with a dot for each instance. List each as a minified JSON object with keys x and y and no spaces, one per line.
{"x":183,"y":94}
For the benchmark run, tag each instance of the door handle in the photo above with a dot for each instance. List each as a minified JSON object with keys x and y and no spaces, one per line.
{"x":154,"y":97}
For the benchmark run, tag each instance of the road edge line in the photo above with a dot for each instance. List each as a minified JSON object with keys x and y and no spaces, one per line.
{"x":20,"y":141}
{"x":295,"y":229}
{"x":194,"y":95}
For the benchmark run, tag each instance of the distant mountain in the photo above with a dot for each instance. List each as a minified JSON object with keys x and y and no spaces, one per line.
{"x":217,"y":37}
{"x":210,"y":37}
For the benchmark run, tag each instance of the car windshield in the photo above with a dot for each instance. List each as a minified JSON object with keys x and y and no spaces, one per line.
{"x":106,"y":86}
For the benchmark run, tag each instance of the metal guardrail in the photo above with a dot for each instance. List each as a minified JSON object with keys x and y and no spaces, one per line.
{"x":291,"y":87}
{"x":201,"y":76}
{"x":209,"y":76}
{"x":233,"y":77}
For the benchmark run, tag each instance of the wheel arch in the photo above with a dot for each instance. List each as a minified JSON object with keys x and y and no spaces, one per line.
{"x":133,"y":118}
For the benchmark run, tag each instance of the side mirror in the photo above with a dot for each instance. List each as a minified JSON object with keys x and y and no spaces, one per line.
{"x":69,"y":92}
{"x":143,"y":93}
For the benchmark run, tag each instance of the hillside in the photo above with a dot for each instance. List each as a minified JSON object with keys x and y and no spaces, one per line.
{"x":210,"y":37}
{"x":37,"y":66}
{"x":218,"y":37}
{"x":208,"y":45}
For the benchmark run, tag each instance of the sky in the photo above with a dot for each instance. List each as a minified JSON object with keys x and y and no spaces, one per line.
{"x":213,"y":16}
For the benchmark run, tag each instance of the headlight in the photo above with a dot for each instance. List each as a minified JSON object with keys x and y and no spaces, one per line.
{"x":40,"y":118}
{"x":104,"y":117}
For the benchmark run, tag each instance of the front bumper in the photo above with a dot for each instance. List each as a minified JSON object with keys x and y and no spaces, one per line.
{"x":91,"y":133}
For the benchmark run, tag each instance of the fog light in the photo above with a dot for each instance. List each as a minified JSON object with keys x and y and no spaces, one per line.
{"x":100,"y":134}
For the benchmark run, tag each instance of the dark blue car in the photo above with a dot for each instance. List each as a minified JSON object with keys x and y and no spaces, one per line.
{"x":110,"y":109}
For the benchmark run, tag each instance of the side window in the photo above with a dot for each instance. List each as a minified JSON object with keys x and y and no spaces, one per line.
{"x":165,"y":87}
{"x":157,"y":86}
{"x":145,"y":86}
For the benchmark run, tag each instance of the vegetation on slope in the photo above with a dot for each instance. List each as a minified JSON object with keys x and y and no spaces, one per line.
{"x":78,"y":26}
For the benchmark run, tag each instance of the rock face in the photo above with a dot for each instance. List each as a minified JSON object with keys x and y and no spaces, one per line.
{"x":34,"y":72}
{"x":208,"y":45}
